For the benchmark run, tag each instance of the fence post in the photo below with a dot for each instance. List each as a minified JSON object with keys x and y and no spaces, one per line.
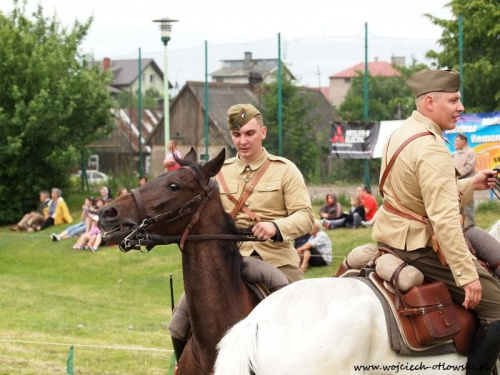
{"x":69,"y":363}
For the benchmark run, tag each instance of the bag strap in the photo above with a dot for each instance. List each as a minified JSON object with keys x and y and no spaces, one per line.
{"x":239,"y":204}
{"x":394,"y":157}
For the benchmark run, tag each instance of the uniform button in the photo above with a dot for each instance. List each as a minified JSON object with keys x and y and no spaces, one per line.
{"x":288,"y":238}
{"x":269,"y":188}
{"x":246,"y":179}
{"x":246,"y":204}
{"x":459,"y":273}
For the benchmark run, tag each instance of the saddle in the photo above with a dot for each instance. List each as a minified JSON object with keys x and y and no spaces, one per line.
{"x":427,"y":318}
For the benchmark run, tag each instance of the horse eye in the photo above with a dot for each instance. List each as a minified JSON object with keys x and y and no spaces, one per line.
{"x":174,"y":187}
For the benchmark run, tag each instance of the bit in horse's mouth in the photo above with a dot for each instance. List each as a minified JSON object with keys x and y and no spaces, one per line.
{"x":117,"y":234}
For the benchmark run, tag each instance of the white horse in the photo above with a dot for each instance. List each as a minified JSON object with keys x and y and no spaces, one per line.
{"x":321,"y":326}
{"x":495,"y":230}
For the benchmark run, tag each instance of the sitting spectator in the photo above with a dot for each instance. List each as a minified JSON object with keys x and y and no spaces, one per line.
{"x":352,"y":219}
{"x":77,"y":229}
{"x":370,"y":223}
{"x":34,"y":218}
{"x":317,"y":251}
{"x":368,"y":201}
{"x":92,"y":239}
{"x":170,"y":163}
{"x":106,"y":194}
{"x":143,"y":180}
{"x":332,"y":209}
{"x":56,"y":212}
{"x":122,"y":191}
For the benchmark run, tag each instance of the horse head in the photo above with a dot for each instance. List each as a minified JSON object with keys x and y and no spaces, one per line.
{"x":166,"y":205}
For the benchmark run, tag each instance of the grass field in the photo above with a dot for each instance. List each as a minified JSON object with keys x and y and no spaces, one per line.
{"x":52,"y":297}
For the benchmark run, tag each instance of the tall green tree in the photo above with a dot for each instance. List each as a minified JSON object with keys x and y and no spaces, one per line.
{"x":51,"y":105}
{"x":481,"y":26}
{"x":389,"y":99}
{"x":299,"y":124}
{"x":149,"y":99}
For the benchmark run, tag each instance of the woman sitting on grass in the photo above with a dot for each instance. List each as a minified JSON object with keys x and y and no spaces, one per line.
{"x":352,"y":220}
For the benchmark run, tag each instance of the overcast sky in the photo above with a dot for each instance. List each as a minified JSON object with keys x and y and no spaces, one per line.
{"x":319,"y":37}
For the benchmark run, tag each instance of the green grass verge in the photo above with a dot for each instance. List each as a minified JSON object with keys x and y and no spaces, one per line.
{"x":53,"y":297}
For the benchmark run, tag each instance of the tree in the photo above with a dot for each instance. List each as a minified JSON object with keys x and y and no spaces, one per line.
{"x":481,"y":32}
{"x":389,"y":99}
{"x":149,"y":99}
{"x":299,"y":120}
{"x":51,"y":106}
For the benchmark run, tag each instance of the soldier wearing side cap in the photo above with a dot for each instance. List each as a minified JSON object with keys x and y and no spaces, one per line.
{"x":279,"y":205}
{"x":260,"y":190}
{"x":421,"y":210}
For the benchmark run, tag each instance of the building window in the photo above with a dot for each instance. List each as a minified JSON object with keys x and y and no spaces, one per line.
{"x":151,"y":78}
{"x":347,"y":80}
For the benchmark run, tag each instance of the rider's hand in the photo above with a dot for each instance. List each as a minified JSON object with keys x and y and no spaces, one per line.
{"x":473,"y":291}
{"x":484,"y":179}
{"x":264,"y":230}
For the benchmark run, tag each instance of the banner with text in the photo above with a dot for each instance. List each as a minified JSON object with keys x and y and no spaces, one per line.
{"x":483,"y":136}
{"x":351,"y":140}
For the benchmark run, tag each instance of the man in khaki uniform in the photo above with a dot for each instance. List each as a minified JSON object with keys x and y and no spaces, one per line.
{"x":465,"y":162}
{"x":423,"y":183}
{"x":279,"y":206}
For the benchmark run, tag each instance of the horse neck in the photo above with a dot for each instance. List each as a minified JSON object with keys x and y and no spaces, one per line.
{"x":216,"y":298}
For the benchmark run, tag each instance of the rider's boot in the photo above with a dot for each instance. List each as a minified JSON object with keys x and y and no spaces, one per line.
{"x":484,"y":350}
{"x":179,"y":346}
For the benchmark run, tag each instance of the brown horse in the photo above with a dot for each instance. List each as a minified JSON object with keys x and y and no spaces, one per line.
{"x":185,"y":205}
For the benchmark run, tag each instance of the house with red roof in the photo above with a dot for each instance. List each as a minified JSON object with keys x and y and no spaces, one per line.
{"x":340,"y":83}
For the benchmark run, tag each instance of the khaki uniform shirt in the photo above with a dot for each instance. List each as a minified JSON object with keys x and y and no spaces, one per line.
{"x":424,"y":180}
{"x":465,"y":161}
{"x":280,"y":196}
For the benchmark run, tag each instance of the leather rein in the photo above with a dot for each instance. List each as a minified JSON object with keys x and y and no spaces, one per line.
{"x":140,"y":237}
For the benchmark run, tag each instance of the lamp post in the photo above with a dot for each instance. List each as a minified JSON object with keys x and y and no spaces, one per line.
{"x":166,"y":28}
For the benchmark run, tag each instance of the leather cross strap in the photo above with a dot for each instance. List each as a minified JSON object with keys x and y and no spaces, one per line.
{"x":239,"y":204}
{"x":394,"y":157}
{"x":409,"y":214}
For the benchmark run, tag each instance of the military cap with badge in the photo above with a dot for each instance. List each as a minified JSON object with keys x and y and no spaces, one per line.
{"x":239,"y":114}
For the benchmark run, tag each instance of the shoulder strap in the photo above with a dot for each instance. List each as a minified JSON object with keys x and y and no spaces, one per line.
{"x":394,"y":157}
{"x":239,"y":204}
{"x":249,"y":190}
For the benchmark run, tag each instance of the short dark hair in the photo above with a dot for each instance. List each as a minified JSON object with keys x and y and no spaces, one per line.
{"x":365,"y":188}
{"x":461,"y":136}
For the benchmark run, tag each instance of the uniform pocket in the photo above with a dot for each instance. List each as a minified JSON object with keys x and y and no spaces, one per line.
{"x":269,"y":194}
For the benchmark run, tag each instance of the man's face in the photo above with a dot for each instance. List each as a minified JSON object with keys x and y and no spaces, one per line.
{"x":361,"y":192}
{"x":43,"y":197}
{"x":248,"y":140}
{"x":459,"y":143}
{"x":447,"y":109}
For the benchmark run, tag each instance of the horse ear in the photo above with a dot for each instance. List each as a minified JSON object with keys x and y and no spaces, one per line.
{"x":213,"y":167}
{"x":191,"y":155}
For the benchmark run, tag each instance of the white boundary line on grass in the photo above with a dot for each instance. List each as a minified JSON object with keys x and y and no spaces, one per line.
{"x":87,"y":346}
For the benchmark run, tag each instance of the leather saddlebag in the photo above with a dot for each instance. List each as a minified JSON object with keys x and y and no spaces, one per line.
{"x":431,"y":313}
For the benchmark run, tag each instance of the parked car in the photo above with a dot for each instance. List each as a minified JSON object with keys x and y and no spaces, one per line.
{"x":94,"y":177}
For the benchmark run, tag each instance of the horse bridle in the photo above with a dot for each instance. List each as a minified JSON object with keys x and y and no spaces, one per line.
{"x":140,"y":237}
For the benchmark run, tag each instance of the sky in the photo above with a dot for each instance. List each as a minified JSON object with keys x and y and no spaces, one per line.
{"x":318,"y":37}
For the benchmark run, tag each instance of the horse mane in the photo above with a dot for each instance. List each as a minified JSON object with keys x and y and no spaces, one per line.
{"x":230,"y":248}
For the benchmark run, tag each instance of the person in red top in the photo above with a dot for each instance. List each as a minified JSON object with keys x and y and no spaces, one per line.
{"x":368,"y":201}
{"x":170,"y":163}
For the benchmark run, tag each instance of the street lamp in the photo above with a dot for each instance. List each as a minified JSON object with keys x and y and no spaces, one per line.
{"x":166,"y":27}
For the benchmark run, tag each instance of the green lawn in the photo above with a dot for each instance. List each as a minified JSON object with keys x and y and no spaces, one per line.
{"x":53,"y":297}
